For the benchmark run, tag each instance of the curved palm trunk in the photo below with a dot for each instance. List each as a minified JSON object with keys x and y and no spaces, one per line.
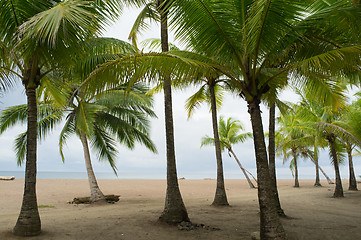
{"x":174,"y":209}
{"x":317,"y":181}
{"x":243,"y":170}
{"x":272,"y":158}
{"x":220,"y":198}
{"x":338,"y":188}
{"x":323,"y":172}
{"x":270,"y":224}
{"x":297,"y":184}
{"x":352,"y":179}
{"x":96,"y":196}
{"x":28,"y":223}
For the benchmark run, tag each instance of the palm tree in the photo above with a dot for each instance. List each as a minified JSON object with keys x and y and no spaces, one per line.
{"x":228,"y":136}
{"x":113,"y":115}
{"x":246,"y":41}
{"x":174,"y":209}
{"x":38,"y":37}
{"x":119,"y":113}
{"x":316,"y":115}
{"x":211,"y":92}
{"x":347,"y":128}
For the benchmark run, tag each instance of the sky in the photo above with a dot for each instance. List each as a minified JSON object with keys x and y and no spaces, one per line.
{"x":192,"y":161}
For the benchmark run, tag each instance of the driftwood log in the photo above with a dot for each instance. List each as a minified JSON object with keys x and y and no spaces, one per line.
{"x":86,"y":200}
{"x":7,"y":178}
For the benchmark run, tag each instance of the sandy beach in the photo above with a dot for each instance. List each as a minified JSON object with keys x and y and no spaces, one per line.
{"x":313,"y":213}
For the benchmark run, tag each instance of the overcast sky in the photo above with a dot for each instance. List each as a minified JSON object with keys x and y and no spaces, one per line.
{"x":192,"y":161}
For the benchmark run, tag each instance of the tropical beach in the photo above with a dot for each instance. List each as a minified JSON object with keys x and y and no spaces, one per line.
{"x":82,"y":82}
{"x":313,"y":213}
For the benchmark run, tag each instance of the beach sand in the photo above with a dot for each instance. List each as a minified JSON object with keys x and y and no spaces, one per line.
{"x":313,"y":213}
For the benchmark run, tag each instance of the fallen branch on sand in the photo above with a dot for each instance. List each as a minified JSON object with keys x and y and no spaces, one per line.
{"x":86,"y":200}
{"x":7,"y":178}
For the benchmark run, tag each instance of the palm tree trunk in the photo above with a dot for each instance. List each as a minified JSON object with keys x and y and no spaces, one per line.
{"x":317,"y":181}
{"x":323,"y":172}
{"x":270,"y":224}
{"x":243,"y":170}
{"x":297,"y":184}
{"x":220,"y":198}
{"x":272,"y":158}
{"x":352,"y":179}
{"x":96,"y":196}
{"x":28,"y":223}
{"x":338,"y":189}
{"x":174,"y":210}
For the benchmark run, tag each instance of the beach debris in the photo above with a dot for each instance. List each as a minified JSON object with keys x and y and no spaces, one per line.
{"x":7,"y":178}
{"x":182,"y":178}
{"x":188,"y":226}
{"x":86,"y":200}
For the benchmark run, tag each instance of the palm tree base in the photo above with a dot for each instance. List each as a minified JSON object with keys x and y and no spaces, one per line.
{"x":220,"y":198}
{"x":27,"y":227}
{"x":174,"y":217}
{"x":220,"y":204}
{"x":317,"y":185}
{"x":338,"y":195}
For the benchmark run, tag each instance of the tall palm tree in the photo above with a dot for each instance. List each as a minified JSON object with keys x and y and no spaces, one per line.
{"x":347,"y":128}
{"x":211,"y":91}
{"x":38,"y":37}
{"x":174,"y":209}
{"x":247,"y":37}
{"x":316,"y":115}
{"x":246,"y":41}
{"x":228,"y":136}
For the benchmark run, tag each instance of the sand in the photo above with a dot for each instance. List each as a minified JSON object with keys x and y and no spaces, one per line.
{"x":314,"y":213}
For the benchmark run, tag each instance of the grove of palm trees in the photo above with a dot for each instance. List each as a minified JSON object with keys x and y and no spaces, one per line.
{"x":98,"y":89}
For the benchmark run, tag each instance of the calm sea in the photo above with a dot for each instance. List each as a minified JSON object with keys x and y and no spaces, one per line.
{"x":81,"y":175}
{"x":282,"y":173}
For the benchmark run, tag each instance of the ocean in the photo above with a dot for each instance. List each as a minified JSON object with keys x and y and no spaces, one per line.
{"x":282,"y":173}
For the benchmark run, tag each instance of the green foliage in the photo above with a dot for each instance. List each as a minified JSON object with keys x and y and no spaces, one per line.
{"x":229,"y":134}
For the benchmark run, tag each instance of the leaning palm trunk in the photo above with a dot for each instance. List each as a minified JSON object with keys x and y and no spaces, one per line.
{"x":352,"y":181}
{"x":243,"y":170}
{"x":96,"y":196}
{"x":28,"y":223}
{"x":297,"y":184}
{"x":270,"y":224}
{"x":220,"y":199}
{"x":174,"y":209}
{"x":338,"y":188}
{"x":272,"y":158}
{"x":319,"y":167}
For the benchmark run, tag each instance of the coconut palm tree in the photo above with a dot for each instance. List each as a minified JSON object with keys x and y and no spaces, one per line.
{"x":291,"y":140}
{"x":211,"y":91}
{"x":315,"y":114}
{"x":248,"y":42}
{"x":228,"y":136}
{"x":347,"y":128}
{"x":174,"y":209}
{"x":118,"y":114}
{"x":114,"y":116}
{"x":38,"y":37}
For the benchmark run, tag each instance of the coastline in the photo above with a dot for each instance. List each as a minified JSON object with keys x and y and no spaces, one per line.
{"x":314,"y":214}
